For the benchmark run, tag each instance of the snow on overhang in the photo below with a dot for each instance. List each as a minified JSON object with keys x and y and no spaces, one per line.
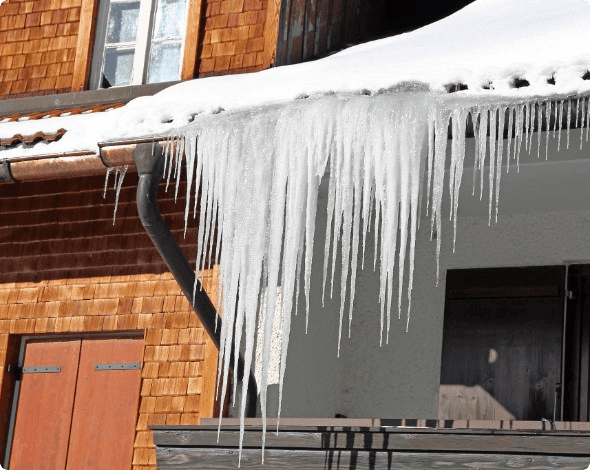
{"x":504,"y":48}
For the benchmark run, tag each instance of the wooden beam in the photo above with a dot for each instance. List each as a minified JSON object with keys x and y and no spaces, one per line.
{"x":399,"y":440}
{"x":192,"y":40}
{"x":216,"y":459}
{"x":85,"y":45}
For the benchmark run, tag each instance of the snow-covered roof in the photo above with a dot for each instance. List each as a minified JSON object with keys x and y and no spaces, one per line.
{"x":493,"y":47}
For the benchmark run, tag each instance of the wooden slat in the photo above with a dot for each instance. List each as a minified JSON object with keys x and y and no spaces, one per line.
{"x":85,"y":45}
{"x":321,"y":28}
{"x":192,"y":38}
{"x":296,"y":31}
{"x":427,"y":441}
{"x":213,"y":459}
{"x":103,"y":423}
{"x":335,"y":24}
{"x":44,"y":410}
{"x":309,"y":29}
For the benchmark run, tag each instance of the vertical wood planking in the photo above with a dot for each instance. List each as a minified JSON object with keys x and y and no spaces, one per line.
{"x":192,"y":40}
{"x":321,"y":28}
{"x":44,"y":410}
{"x":309,"y":29}
{"x":335,"y":24}
{"x":296,"y":32}
{"x":85,"y":45}
{"x":105,"y":409}
{"x":350,"y":19}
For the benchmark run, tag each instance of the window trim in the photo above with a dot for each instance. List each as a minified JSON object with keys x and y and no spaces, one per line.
{"x":143,"y":42}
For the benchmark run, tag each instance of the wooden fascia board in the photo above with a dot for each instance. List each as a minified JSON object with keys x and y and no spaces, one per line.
{"x":192,"y":39}
{"x":85,"y":44}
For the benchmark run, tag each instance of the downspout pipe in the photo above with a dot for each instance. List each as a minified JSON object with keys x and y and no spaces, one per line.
{"x":150,"y":169}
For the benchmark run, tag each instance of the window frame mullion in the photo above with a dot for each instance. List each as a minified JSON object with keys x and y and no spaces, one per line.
{"x":142,"y":40}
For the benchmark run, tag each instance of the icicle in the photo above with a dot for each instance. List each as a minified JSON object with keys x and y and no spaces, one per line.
{"x":257,"y":174}
{"x":492,"y":165}
{"x":547,"y":127}
{"x":518,"y":136}
{"x":559,"y":123}
{"x":499,"y":158}
{"x":568,"y":122}
{"x":510,"y":131}
{"x":583,"y":123}
{"x":539,"y":127}
{"x":587,"y":118}
{"x":530,"y":109}
{"x":106,"y":182}
{"x":119,"y":175}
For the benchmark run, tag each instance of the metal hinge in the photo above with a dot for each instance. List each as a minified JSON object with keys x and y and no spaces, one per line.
{"x":118,"y":366}
{"x":41,"y":370}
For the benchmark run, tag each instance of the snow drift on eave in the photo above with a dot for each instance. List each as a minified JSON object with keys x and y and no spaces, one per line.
{"x":489,"y":44}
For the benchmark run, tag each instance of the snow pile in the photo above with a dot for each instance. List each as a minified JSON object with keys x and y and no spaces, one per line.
{"x":490,"y":46}
{"x":258,"y":174}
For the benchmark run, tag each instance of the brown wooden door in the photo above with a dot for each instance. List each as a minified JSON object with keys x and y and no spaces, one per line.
{"x":106,"y":406}
{"x":502,"y":343}
{"x":80,"y":417}
{"x":42,"y":427}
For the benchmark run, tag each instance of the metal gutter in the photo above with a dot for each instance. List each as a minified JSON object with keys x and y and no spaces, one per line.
{"x":150,"y":168}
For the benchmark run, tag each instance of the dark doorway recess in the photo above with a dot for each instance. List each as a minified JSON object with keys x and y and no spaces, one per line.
{"x":516,"y":344}
{"x":577,"y":338}
{"x":502,"y":343}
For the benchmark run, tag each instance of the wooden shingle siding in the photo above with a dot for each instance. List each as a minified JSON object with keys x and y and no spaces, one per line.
{"x":65,"y":268}
{"x":233,"y":37}
{"x":38,"y":41}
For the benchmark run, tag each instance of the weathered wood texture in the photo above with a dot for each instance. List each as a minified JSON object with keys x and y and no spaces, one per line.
{"x":214,"y":459}
{"x":192,"y":39}
{"x":84,"y":45}
{"x":312,"y":28}
{"x":38,"y":40}
{"x":65,"y":268}
{"x":427,"y":440}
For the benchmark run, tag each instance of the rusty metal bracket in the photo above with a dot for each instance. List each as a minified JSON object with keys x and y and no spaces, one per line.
{"x":5,"y":176}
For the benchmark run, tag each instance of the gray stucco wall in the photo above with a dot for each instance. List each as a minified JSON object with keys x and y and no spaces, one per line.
{"x":400,"y":379}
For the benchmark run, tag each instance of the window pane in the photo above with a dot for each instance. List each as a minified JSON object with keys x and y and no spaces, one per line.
{"x":118,"y":66}
{"x":170,"y":18}
{"x":164,"y":63}
{"x":122,"y":25}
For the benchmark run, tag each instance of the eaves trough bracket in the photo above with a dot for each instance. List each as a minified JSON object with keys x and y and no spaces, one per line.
{"x":5,"y":175}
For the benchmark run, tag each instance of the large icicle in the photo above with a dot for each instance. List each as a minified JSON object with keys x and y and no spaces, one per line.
{"x":257,"y":177}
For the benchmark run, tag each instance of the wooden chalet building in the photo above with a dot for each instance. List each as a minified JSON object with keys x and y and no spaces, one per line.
{"x":100,"y":351}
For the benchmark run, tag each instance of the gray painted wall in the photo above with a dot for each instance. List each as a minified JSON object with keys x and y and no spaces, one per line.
{"x":544,"y":219}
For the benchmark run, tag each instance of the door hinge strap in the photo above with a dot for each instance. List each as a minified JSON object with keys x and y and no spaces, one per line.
{"x":41,"y":370}
{"x":118,"y":366}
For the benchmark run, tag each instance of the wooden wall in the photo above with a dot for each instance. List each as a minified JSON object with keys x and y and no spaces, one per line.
{"x":38,"y":41}
{"x":65,"y":268}
{"x":311,"y":28}
{"x":46,"y":45}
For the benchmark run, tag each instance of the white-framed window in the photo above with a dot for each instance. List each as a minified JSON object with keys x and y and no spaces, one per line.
{"x":138,"y":41}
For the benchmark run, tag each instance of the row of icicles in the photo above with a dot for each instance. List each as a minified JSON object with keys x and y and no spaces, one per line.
{"x":256,"y":176}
